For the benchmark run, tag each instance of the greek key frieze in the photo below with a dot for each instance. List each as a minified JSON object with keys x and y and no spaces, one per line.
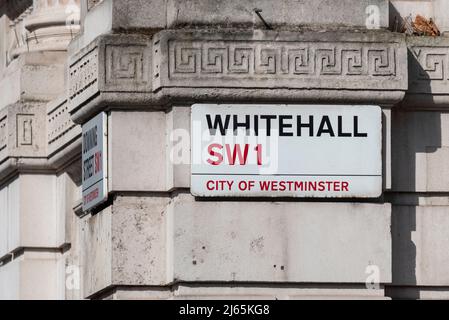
{"x":206,"y":59}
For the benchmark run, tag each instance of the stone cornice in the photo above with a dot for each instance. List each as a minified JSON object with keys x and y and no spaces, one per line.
{"x":429,"y":73}
{"x":193,"y":66}
{"x":33,"y":140}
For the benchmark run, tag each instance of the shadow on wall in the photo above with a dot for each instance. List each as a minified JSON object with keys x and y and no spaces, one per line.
{"x":395,"y":19}
{"x":415,"y":134}
{"x":14,"y":8}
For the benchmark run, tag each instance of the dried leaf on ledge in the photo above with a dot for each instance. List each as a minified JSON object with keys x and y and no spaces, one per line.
{"x":424,"y":27}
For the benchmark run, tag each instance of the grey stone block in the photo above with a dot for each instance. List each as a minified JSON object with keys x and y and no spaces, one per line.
{"x":285,"y":13}
{"x":420,"y":241}
{"x":420,"y":142}
{"x":144,"y":240}
{"x":137,"y":155}
{"x":291,"y":242}
{"x":429,"y":73}
{"x":34,"y":76}
{"x":125,"y":244}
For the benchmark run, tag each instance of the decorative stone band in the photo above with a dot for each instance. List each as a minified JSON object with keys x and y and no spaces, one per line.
{"x":61,"y":130}
{"x":33,"y":140}
{"x":429,"y":72}
{"x":22,"y":132}
{"x":288,"y":60}
{"x":3,"y":134}
{"x":84,"y":76}
{"x":112,"y":63}
{"x":188,"y":67}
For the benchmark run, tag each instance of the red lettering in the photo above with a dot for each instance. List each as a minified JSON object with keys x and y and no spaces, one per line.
{"x":259,"y":154}
{"x":213,"y":153}
{"x":237,"y":152}
{"x":97,"y":162}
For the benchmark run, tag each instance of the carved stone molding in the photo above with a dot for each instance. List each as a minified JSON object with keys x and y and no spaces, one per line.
{"x":283,"y":61}
{"x":429,"y":72}
{"x":61,"y":130}
{"x":52,"y":24}
{"x":83,"y":76}
{"x":140,"y":71}
{"x":22,"y":131}
{"x":3,"y":134}
{"x":127,"y":66}
{"x":109,"y":64}
{"x":35,"y":137}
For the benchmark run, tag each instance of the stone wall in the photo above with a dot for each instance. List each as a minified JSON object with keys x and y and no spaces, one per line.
{"x":144,"y":63}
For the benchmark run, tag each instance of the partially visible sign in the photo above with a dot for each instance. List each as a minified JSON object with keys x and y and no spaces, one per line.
{"x":94,"y":159}
{"x":286,"y":151}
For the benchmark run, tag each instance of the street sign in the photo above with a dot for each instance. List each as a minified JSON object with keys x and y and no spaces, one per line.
{"x":94,"y":162}
{"x":286,"y":151}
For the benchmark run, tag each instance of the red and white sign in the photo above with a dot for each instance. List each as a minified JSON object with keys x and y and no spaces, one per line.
{"x":94,"y":161}
{"x":286,"y":151}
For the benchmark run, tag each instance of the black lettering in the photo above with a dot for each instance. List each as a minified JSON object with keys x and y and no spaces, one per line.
{"x":256,"y":125}
{"x":325,"y":122}
{"x":218,"y":123}
{"x":90,"y":139}
{"x":283,"y":125}
{"x":268,"y":118}
{"x":356,"y":128}
{"x":340,"y":128}
{"x":245,"y":124}
{"x":305,"y":125}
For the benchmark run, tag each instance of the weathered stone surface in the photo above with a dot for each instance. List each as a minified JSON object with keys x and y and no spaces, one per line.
{"x":155,"y":241}
{"x":440,"y":10}
{"x":264,"y":60}
{"x":111,"y":63}
{"x":61,"y":130}
{"x":178,"y":147}
{"x":418,"y":292}
{"x":126,"y":244}
{"x":420,"y":144}
{"x":420,"y":241}
{"x":195,"y":66}
{"x":154,"y":15}
{"x":402,"y":9}
{"x":96,"y":248}
{"x":289,"y":13}
{"x":22,"y":136}
{"x":37,"y":137}
{"x":138,"y":149}
{"x":35,"y":76}
{"x":291,"y":242}
{"x":32,"y":220}
{"x":33,"y":276}
{"x":146,"y":62}
{"x":429,"y":72}
{"x":23,"y":131}
{"x":248,"y":292}
{"x":152,"y":154}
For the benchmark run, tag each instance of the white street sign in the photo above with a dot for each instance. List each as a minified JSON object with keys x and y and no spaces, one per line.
{"x":286,"y":151}
{"x":94,"y":160}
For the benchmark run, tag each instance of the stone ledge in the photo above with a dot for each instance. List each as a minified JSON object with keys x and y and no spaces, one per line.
{"x":155,"y":15}
{"x":429,"y":73}
{"x":235,"y":291}
{"x":22,"y":131}
{"x":259,"y":66}
{"x":35,"y":137}
{"x":288,"y":243}
{"x":34,"y":275}
{"x":34,"y":76}
{"x":61,"y":130}
{"x":330,"y":60}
